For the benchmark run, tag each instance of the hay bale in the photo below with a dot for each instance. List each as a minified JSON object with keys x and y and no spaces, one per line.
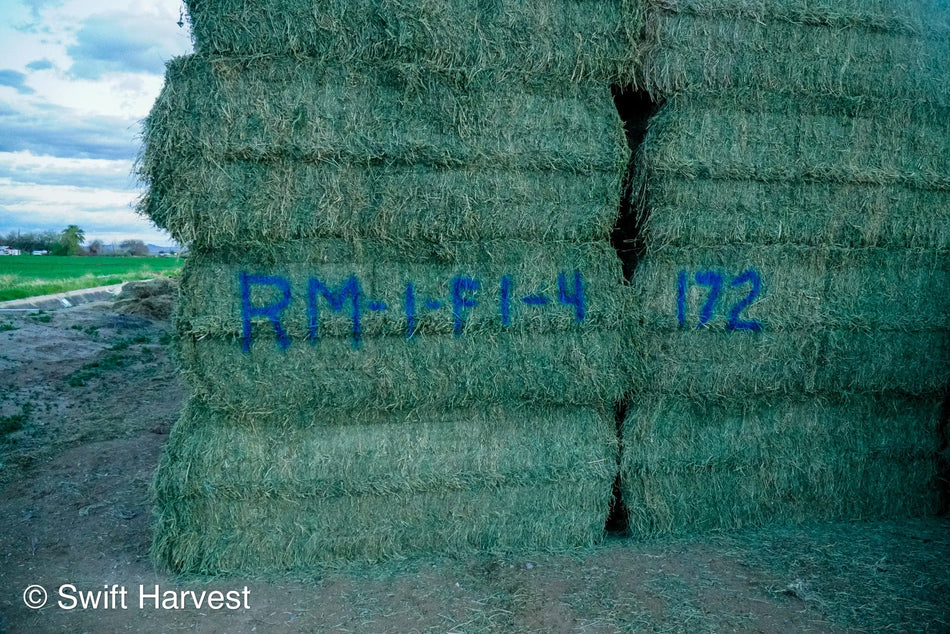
{"x":211,"y":203}
{"x":254,"y":492}
{"x":697,"y":465}
{"x":330,"y":454}
{"x":416,"y":282}
{"x":562,"y":368}
{"x":921,"y":17}
{"x":778,"y":139}
{"x":554,"y":41}
{"x":705,"y":212}
{"x":260,"y":110}
{"x":890,"y":51}
{"x":795,"y":289}
{"x":209,"y":535}
{"x":740,"y":363}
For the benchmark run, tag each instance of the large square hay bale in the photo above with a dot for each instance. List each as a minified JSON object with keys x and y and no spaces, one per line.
{"x":887,"y":50}
{"x":558,"y":368}
{"x":777,"y":138}
{"x":253,"y":494}
{"x":263,"y":150}
{"x":211,"y":203}
{"x":379,"y":289}
{"x":695,"y":363}
{"x":333,"y":324}
{"x":233,"y":109}
{"x":784,"y":287}
{"x":540,"y":42}
{"x":692,"y":465}
{"x":703,"y":212}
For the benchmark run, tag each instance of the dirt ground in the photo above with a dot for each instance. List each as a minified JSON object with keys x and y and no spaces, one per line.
{"x":87,"y":398}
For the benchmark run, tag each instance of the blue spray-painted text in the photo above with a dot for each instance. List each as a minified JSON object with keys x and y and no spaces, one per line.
{"x":466,"y":294}
{"x":715,"y":282}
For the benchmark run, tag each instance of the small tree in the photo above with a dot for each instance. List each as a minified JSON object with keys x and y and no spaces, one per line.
{"x":70,"y":241}
{"x":27,"y":242}
{"x":134,"y":247}
{"x":94,"y":248}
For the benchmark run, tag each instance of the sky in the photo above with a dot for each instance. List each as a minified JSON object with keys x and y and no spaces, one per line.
{"x":77,"y":78}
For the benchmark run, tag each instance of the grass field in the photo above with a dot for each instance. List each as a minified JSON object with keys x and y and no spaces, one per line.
{"x":29,"y":275}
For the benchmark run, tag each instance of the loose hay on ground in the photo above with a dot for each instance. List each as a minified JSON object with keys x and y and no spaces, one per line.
{"x":154,"y":299}
{"x":691,"y":465}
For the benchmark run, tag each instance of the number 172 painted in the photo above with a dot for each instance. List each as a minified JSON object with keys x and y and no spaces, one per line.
{"x":715,"y":282}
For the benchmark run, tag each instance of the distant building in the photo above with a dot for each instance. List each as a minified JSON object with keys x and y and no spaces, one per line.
{"x":43,"y":252}
{"x":8,"y":251}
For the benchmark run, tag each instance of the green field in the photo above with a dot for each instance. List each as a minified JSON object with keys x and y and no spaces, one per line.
{"x":30,"y":275}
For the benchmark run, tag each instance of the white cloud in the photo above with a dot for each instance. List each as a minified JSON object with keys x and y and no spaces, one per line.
{"x":104,"y":214}
{"x":77,"y":78}
{"x":27,"y":168}
{"x":124,"y":42}
{"x":48,"y":129}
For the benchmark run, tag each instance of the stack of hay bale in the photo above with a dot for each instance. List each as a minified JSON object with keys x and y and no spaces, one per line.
{"x":793,"y":293}
{"x":401,"y":318}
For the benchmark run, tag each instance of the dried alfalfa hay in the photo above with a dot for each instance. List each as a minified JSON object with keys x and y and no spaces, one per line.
{"x":409,"y":290}
{"x":245,"y":495}
{"x":212,"y":203}
{"x":301,"y":110}
{"x":549,"y":42}
{"x":155,"y":299}
{"x":891,"y":51}
{"x":557,"y":368}
{"x":783,"y":287}
{"x":331,"y":453}
{"x":207,"y":535}
{"x":251,"y":151}
{"x":781,"y":138}
{"x":696,"y":362}
{"x":705,"y":212}
{"x":702,"y":464}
